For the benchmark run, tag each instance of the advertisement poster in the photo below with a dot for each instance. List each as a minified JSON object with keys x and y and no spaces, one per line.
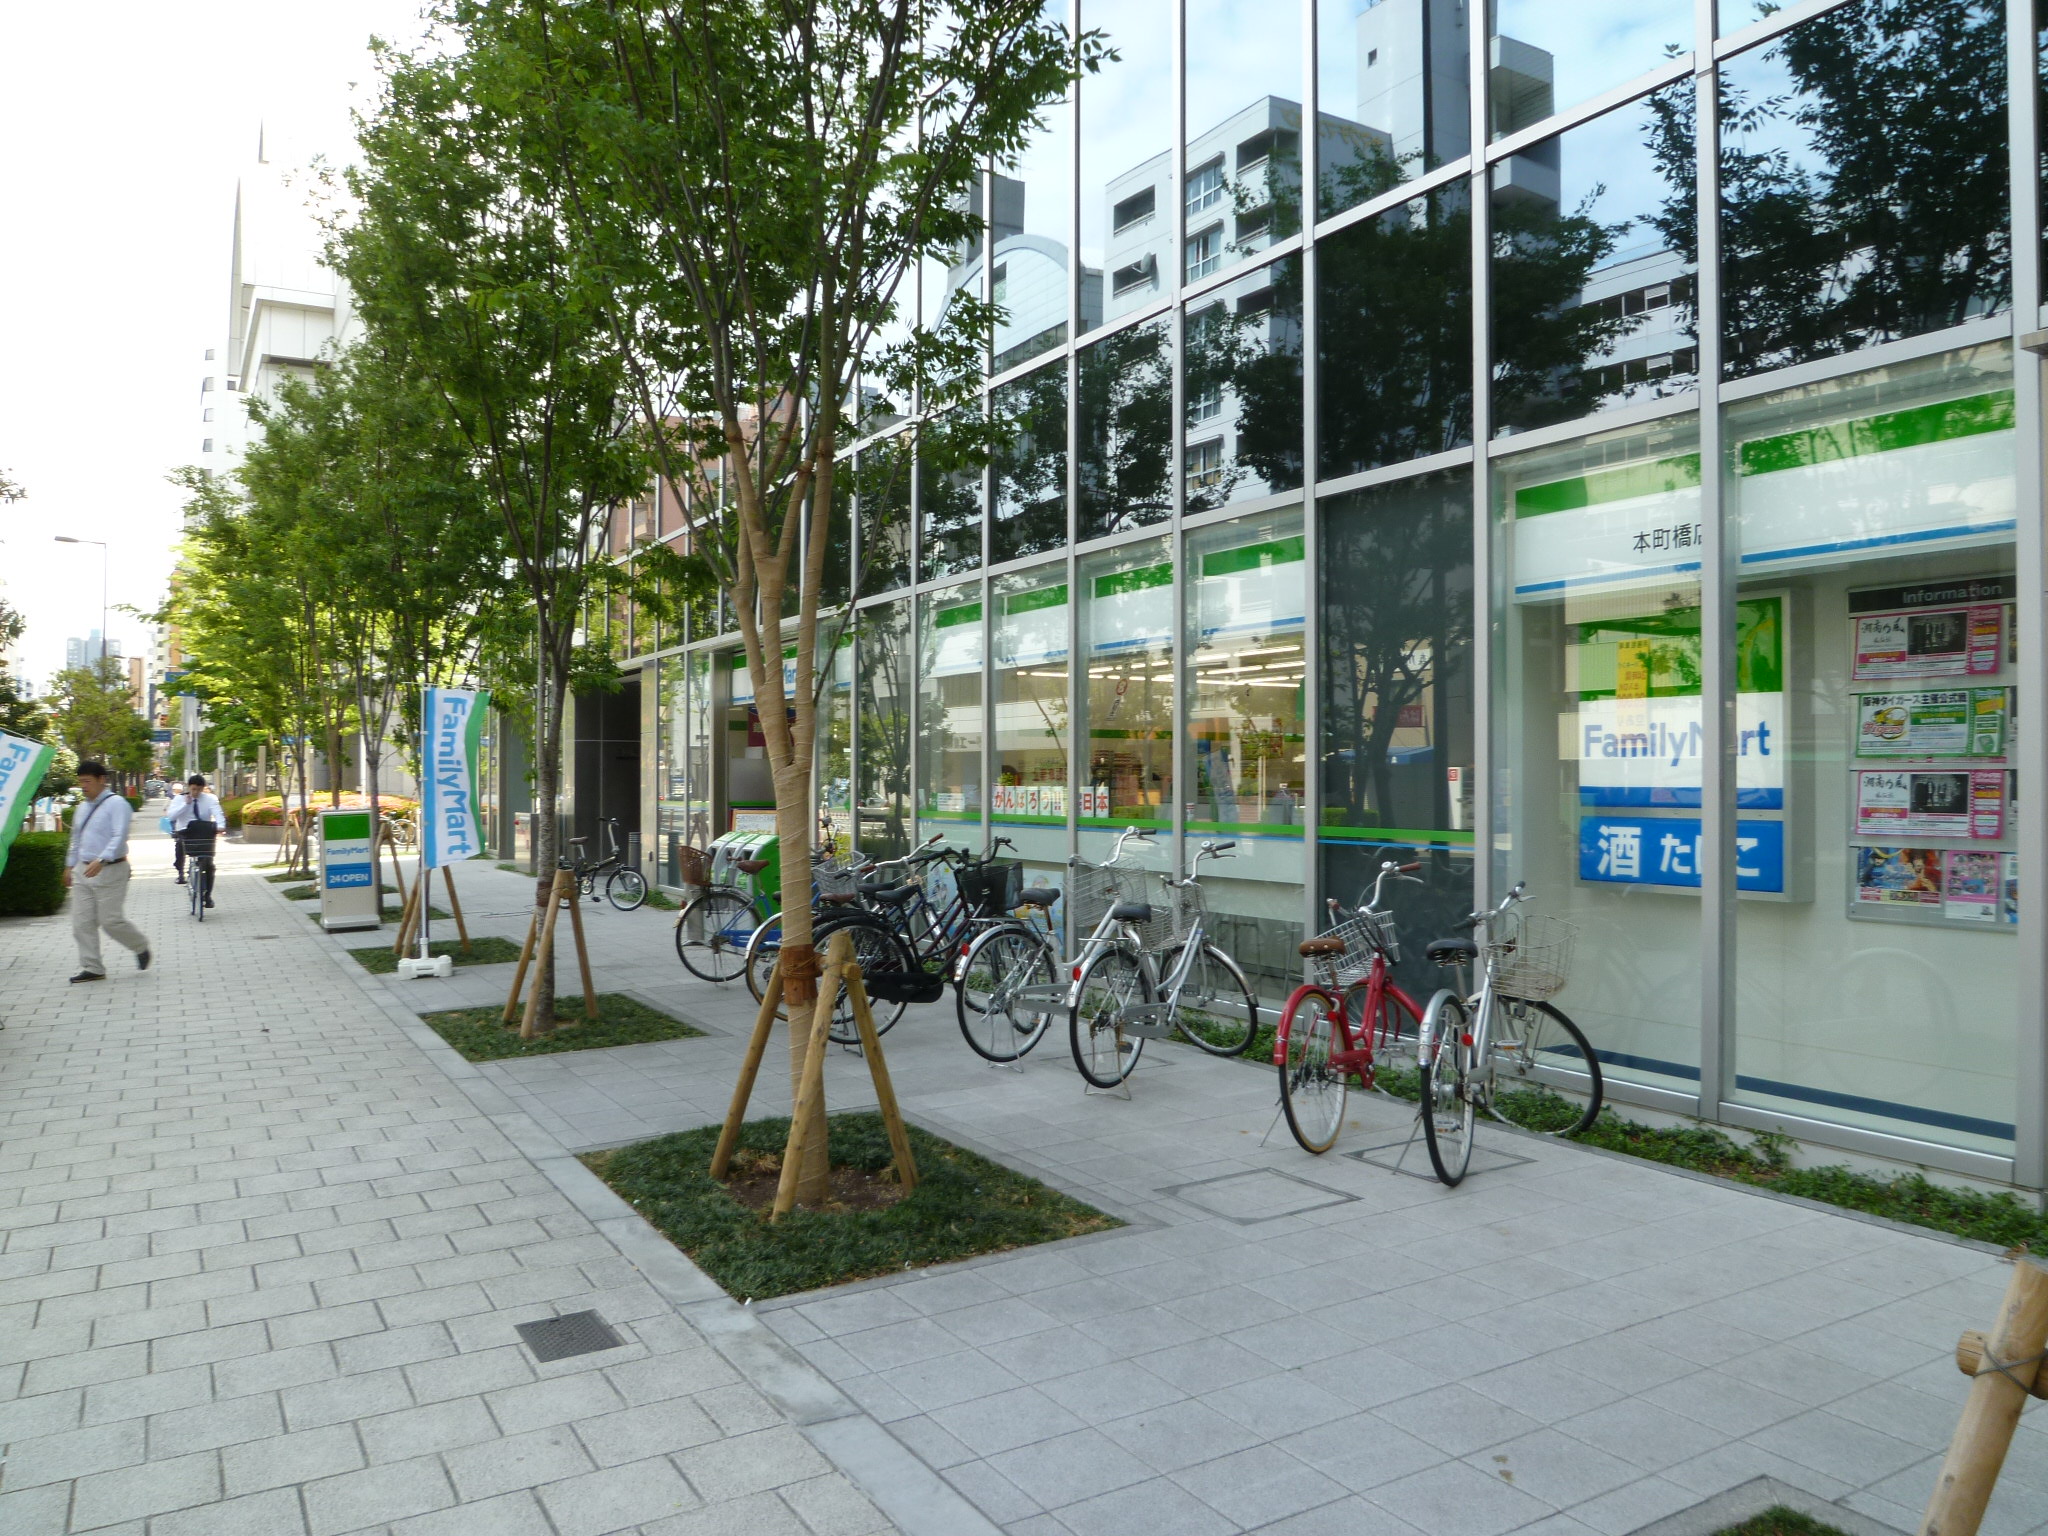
{"x":1937,"y":803}
{"x":1987,"y":804}
{"x":1641,"y":850}
{"x":1969,"y":886}
{"x":1899,"y":877}
{"x":1949,"y":642}
{"x":1934,"y":724}
{"x":2009,"y":889}
{"x":1990,"y":708}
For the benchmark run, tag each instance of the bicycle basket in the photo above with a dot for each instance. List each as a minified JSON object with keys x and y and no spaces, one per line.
{"x":1092,"y":889}
{"x":1531,"y":955}
{"x":991,"y":889}
{"x":1364,"y":935}
{"x":836,"y":879}
{"x":690,"y":866}
{"x":1184,"y":909}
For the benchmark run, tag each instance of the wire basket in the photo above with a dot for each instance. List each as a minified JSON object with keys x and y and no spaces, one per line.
{"x":991,"y":889}
{"x":1531,"y":955}
{"x":1364,"y":935}
{"x":836,"y":879}
{"x":1184,"y":909}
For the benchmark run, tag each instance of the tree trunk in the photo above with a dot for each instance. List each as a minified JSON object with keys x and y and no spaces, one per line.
{"x":792,"y":830}
{"x":549,"y":698}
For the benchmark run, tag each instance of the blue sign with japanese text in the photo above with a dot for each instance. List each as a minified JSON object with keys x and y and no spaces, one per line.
{"x":1667,"y":850}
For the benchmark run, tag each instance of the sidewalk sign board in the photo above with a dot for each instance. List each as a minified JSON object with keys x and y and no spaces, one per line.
{"x":348,"y":874}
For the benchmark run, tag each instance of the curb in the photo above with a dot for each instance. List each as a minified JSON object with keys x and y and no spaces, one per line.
{"x":918,"y":1500}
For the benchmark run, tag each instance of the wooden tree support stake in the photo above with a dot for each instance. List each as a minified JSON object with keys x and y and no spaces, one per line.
{"x":525,"y":959}
{"x":529,"y":1028}
{"x":575,"y":905}
{"x":406,"y":923}
{"x":842,"y":973}
{"x":455,"y":905}
{"x":2008,"y":1366}
{"x":536,"y":953}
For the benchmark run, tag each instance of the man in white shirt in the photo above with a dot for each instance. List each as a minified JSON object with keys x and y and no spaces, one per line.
{"x":191,"y":804}
{"x":96,"y":871}
{"x":196,"y":819}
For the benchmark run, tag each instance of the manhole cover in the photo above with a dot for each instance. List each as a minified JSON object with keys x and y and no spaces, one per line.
{"x":576,"y":1333}
{"x":1263,"y":1194}
{"x":1412,"y":1158}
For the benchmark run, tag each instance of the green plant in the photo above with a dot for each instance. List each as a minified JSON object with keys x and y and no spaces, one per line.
{"x":378,"y":959}
{"x":1780,"y":1521}
{"x":963,"y":1205}
{"x":232,"y":809}
{"x":481,"y":1035}
{"x":32,"y":885}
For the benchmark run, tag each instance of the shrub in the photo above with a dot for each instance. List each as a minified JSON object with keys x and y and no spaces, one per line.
{"x":232,"y":809}
{"x":268,"y":810}
{"x":32,"y":885}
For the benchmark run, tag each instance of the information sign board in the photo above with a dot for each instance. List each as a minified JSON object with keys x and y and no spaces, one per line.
{"x":348,"y":871}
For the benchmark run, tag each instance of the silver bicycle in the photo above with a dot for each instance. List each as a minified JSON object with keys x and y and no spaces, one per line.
{"x":1505,"y":1048}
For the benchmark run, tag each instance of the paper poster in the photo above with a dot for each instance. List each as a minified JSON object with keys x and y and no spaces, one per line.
{"x":1989,"y":710}
{"x":1670,"y":851}
{"x":1987,"y":803}
{"x":2009,"y":889}
{"x":1945,"y":642}
{"x":1933,"y":724}
{"x":1094,"y":799}
{"x":1969,"y":886}
{"x":1899,"y":877}
{"x":1913,"y":804}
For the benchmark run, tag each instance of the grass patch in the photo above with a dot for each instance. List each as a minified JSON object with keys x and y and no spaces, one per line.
{"x":1780,"y":1521}
{"x":479,"y":1036}
{"x":312,"y":892}
{"x":661,"y":901}
{"x":289,"y":877}
{"x":379,"y":961}
{"x":963,"y":1205}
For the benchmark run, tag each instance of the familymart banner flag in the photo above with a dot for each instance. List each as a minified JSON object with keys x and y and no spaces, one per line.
{"x":450,"y":829}
{"x":22,"y":763}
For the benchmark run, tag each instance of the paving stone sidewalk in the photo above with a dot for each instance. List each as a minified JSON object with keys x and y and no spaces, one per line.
{"x":261,"y":1259}
{"x":1570,"y":1344}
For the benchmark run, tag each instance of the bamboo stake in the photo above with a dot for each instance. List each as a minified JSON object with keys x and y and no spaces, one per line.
{"x":750,"y":1069}
{"x":525,"y":959}
{"x":529,"y":1028}
{"x":1992,"y":1412}
{"x":810,"y":1093}
{"x":582,"y":954}
{"x":878,"y":1069}
{"x":455,"y":905}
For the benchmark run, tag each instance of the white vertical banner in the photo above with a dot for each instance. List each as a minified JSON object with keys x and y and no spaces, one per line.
{"x":452,"y":722}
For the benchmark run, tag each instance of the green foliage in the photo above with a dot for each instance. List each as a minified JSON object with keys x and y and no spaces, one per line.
{"x":479,"y":1034}
{"x":32,"y":884}
{"x":232,"y":807}
{"x":379,"y":961}
{"x":1780,"y":1521}
{"x":963,"y":1205}
{"x":20,"y":715}
{"x":94,"y":716}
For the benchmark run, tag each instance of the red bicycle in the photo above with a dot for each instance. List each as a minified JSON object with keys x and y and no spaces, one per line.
{"x":1334,"y":1028}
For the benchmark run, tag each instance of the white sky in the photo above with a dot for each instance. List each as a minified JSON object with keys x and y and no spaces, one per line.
{"x":123,"y":128}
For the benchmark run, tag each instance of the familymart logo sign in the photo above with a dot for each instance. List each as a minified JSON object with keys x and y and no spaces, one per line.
{"x":453,"y":739}
{"x":22,"y":764}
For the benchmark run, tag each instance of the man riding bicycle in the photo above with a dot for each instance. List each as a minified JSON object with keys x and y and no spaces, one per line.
{"x":196,"y":819}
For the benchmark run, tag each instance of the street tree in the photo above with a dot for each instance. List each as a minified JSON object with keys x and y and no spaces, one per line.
{"x":94,"y":715}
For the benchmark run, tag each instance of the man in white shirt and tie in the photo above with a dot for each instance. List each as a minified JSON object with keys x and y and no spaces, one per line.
{"x":96,"y":869}
{"x":192,"y":804}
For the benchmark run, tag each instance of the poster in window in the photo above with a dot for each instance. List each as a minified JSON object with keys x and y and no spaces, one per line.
{"x":1930,"y":803}
{"x":1899,"y":877}
{"x":1935,"y":724}
{"x":1969,"y":886}
{"x":2009,"y":889}
{"x":1944,"y":642}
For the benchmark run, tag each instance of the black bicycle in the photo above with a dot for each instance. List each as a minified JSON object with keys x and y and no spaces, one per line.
{"x":199,"y":869}
{"x":624,"y":886}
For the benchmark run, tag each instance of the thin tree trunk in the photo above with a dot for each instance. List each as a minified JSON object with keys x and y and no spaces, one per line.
{"x":549,"y":698}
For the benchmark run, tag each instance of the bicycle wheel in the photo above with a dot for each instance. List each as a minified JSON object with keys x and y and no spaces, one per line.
{"x":198,"y":894}
{"x":1541,"y":1075}
{"x":1002,"y":962}
{"x":1445,"y":1073}
{"x":626,"y":889}
{"x":1218,"y":1010}
{"x":1111,"y":982}
{"x":1312,"y":1091}
{"x":712,"y":932}
{"x":879,"y":950}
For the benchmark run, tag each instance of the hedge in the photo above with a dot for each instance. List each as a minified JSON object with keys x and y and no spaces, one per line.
{"x":32,"y":885}
{"x":232,"y":809}
{"x":69,"y":810}
{"x":268,"y":810}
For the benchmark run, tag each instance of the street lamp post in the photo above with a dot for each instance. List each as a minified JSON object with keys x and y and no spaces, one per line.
{"x":65,"y":538}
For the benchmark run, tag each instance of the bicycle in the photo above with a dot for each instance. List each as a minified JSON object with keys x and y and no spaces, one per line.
{"x":624,"y":886}
{"x":1318,"y":1047}
{"x":199,"y":872}
{"x":1468,"y":1038}
{"x":717,"y":930}
{"x":1119,"y":998}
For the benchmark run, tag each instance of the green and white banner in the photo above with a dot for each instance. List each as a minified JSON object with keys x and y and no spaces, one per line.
{"x":451,"y":830}
{"x":22,"y":764}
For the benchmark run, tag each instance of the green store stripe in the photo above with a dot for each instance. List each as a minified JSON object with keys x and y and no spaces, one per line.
{"x":1406,"y":835}
{"x":1653,"y":477}
{"x":1914,"y":427}
{"x":961,"y":613}
{"x":1134,"y":581}
{"x":1252,"y":557}
{"x":1027,"y":602}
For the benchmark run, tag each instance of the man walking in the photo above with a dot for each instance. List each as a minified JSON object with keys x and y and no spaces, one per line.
{"x":96,"y":871}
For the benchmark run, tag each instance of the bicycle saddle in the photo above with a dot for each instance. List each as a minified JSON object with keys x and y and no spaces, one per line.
{"x":1038,"y":896}
{"x":843,"y":899}
{"x":750,"y":866}
{"x":1131,"y":912}
{"x":892,"y":895}
{"x":1450,"y":951}
{"x":1312,"y":947}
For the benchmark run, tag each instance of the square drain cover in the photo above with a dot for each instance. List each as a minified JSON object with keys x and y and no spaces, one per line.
{"x":1263,"y":1194}
{"x":1412,"y":1158}
{"x":577,"y":1333}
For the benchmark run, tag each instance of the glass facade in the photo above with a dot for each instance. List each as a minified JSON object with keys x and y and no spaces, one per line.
{"x":1626,"y":482}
